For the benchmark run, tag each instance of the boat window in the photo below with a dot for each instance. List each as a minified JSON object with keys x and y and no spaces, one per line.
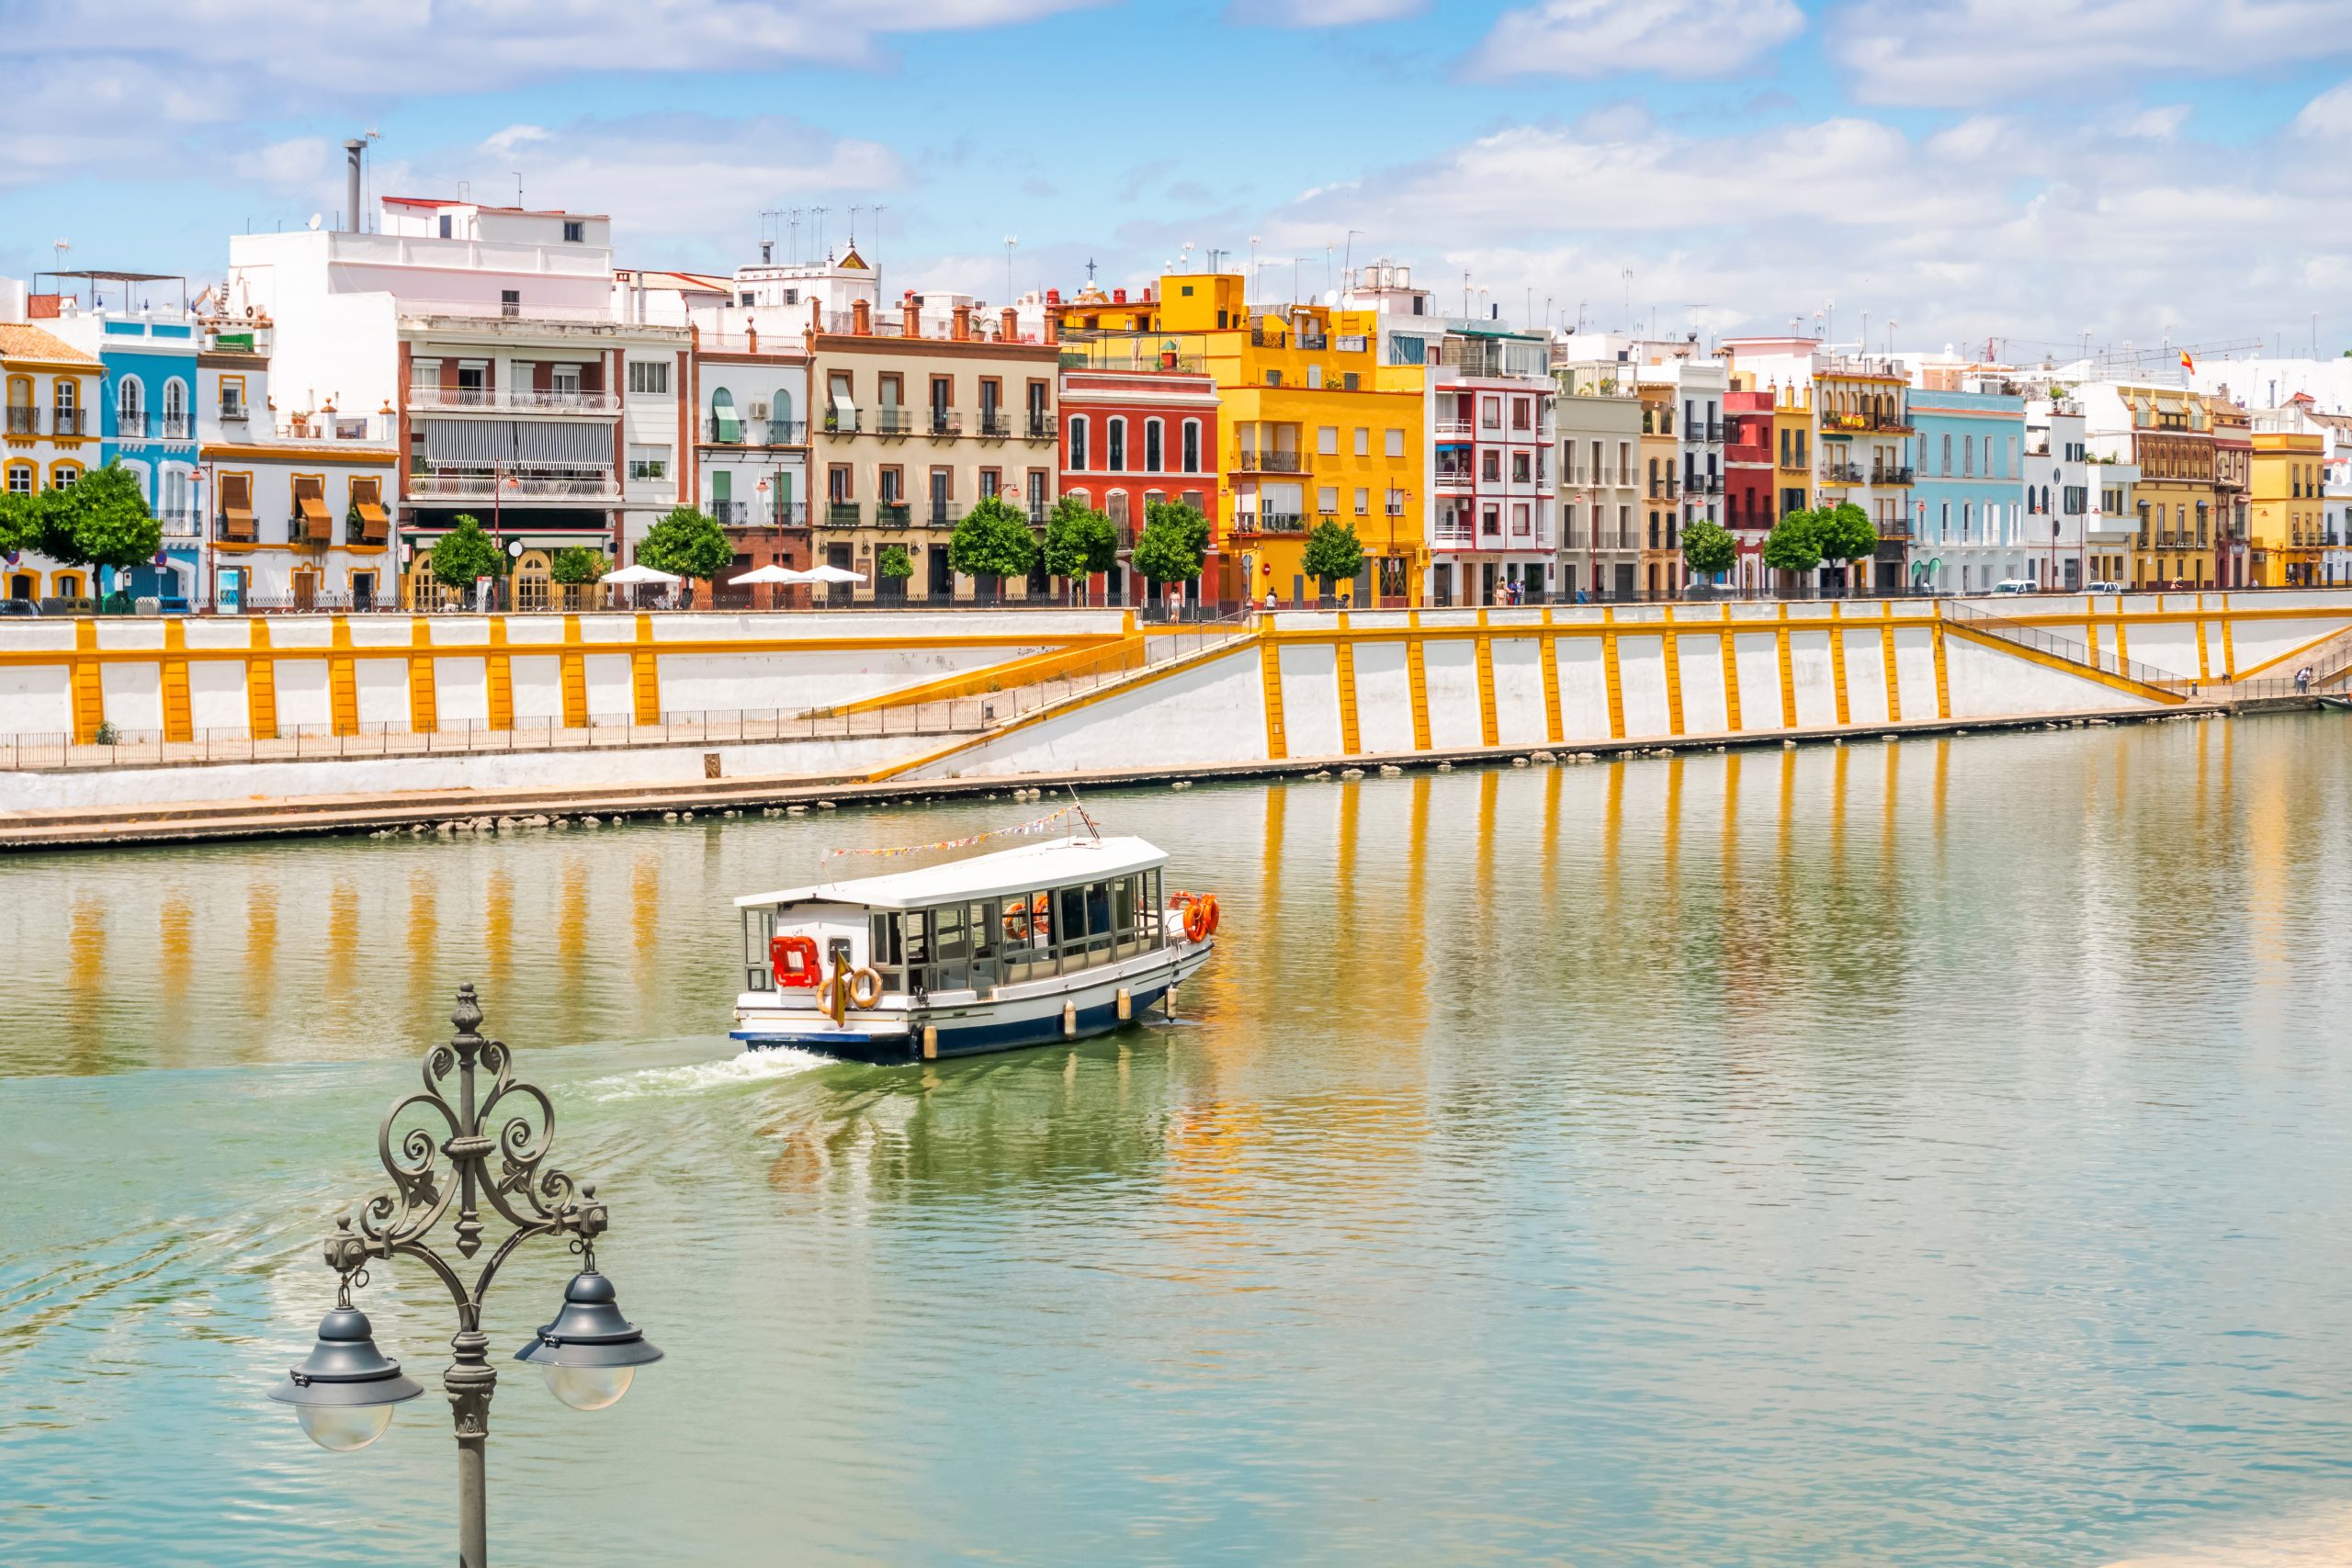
{"x":986,"y":923}
{"x":888,"y":953}
{"x":758,"y":926}
{"x":917,"y":941}
{"x":1124,"y":894}
{"x":1028,"y":927}
{"x":951,"y":963}
{"x":1155,"y":923}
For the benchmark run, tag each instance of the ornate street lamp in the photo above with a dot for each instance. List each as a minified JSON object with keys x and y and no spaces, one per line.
{"x":345,"y":1389}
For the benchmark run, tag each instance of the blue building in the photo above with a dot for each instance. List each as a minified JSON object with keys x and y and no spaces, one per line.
{"x":1968,"y":522}
{"x":139,"y":327}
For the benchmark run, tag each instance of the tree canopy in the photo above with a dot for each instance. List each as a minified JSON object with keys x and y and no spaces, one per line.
{"x":1708,"y":547}
{"x":576,"y":564}
{"x":1847,"y":532}
{"x":891,"y":560}
{"x":1174,"y":542}
{"x":109,"y":522}
{"x":687,"y":543}
{"x":466,"y":553}
{"x":1334,"y":554}
{"x":1080,"y":540}
{"x":1795,"y":543}
{"x":992,"y":540}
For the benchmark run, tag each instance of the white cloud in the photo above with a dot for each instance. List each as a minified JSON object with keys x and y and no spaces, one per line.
{"x":1318,"y":12}
{"x":1602,"y":38}
{"x":1957,"y":52}
{"x":2330,"y":114}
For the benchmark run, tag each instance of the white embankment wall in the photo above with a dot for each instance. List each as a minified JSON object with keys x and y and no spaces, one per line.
{"x":1308,"y":685}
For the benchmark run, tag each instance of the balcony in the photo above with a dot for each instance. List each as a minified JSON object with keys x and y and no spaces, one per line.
{"x":181,"y":523}
{"x":1038,"y":511}
{"x":70,"y":421}
{"x":436,"y":398}
{"x":131,"y":424}
{"x":1841,"y":474}
{"x":891,"y":513}
{"x":754,"y":515}
{"x":234,"y":411}
{"x":755,"y":431}
{"x":1897,"y":531}
{"x":1269,"y":522}
{"x":237,"y":528}
{"x":23,"y":420}
{"x":1043,"y":426}
{"x":840,"y":421}
{"x":1458,"y":427}
{"x":1889,"y":476}
{"x":172,"y":427}
{"x":946,"y":421}
{"x":1702,"y":484}
{"x":995,"y":425}
{"x":844,"y":514}
{"x":588,"y":483}
{"x":942,"y":515}
{"x":892,"y":420}
{"x":1272,"y":462}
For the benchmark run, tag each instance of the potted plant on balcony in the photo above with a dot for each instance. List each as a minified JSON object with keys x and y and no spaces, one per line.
{"x":1079,"y":542}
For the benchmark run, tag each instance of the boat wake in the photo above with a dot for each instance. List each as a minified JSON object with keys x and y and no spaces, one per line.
{"x":697,"y":1077}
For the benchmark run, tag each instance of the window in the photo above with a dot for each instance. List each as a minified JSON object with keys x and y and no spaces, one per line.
{"x":1077,"y":441}
{"x":1490,"y":467}
{"x":1490,"y":521}
{"x":648,"y":378}
{"x":62,"y":475}
{"x":129,"y":410}
{"x":510,"y":301}
{"x":837,"y":483}
{"x":648,"y":462}
{"x":1491,"y":414}
{"x":1364,"y":501}
{"x":175,"y":408}
{"x":21,"y":478}
{"x":1115,"y":445}
{"x":1519,"y":524}
{"x":1326,"y":499}
{"x":1364,"y":441}
{"x":1154,"y":454}
{"x":991,"y":482}
{"x":1273,"y":378}
{"x":1314,"y":376}
{"x":1192,"y":445}
{"x":575,"y":233}
{"x":1327,"y":440}
{"x":1522,"y":414}
{"x":1396,"y":443}
{"x":1624,"y":462}
{"x":1521,"y":471}
{"x":448,"y":227}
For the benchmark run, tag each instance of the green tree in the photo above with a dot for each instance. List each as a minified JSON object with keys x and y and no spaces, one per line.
{"x":1708,"y":547}
{"x":891,"y":560}
{"x":1334,"y":554}
{"x":1847,"y":532}
{"x":107,"y":520}
{"x":1174,"y":542}
{"x":466,"y":553}
{"x":992,"y":541}
{"x":1795,"y":543}
{"x":687,"y":543}
{"x":1080,"y":540}
{"x":573,"y":564}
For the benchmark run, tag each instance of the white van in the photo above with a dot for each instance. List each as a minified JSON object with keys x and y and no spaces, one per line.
{"x":2016,"y":585}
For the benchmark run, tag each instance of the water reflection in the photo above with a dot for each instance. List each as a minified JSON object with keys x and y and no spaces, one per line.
{"x":1924,"y":1152}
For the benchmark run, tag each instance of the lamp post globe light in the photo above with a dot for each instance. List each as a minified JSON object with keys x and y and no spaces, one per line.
{"x":346,"y":1390}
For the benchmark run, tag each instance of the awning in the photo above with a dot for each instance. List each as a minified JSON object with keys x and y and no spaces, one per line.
{"x":730,"y":429}
{"x":488,"y":441}
{"x":373,"y":514}
{"x":312,"y":510}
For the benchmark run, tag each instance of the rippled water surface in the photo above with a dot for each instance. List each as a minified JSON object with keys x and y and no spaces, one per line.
{"x":1932,"y":1153}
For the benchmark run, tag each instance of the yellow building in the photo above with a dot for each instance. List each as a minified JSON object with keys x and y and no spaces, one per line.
{"x":2172,"y":444}
{"x":1313,"y":428}
{"x":1661,"y":499}
{"x":2284,"y":517}
{"x":51,"y":440}
{"x":1793,"y":442}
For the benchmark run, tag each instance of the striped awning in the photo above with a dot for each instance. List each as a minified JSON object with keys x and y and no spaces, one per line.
{"x":554,"y":442}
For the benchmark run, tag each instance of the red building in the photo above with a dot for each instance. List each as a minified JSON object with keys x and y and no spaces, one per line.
{"x":1747,"y":483}
{"x":1131,"y":437}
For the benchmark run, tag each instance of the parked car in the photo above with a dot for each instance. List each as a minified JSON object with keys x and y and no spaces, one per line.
{"x":2105,"y":588}
{"x":2016,"y":585}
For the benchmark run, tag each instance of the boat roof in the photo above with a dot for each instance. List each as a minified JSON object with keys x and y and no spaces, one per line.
{"x":1024,"y":868}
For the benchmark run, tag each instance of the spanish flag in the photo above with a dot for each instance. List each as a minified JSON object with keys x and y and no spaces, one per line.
{"x":2187,"y":364}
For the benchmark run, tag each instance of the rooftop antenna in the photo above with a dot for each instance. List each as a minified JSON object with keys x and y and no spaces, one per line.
{"x":793,"y":250}
{"x":1011,"y":243}
{"x":1347,"y":266}
{"x":1257,"y":270}
{"x":877,"y":243}
{"x":1627,"y":275}
{"x":57,"y":249}
{"x":819,"y":214}
{"x":518,"y":186}
{"x":853,"y":211}
{"x":1187,"y":254}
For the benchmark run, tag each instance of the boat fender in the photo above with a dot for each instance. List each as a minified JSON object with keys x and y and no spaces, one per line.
{"x":795,"y":963}
{"x":1196,"y":922}
{"x":1069,"y":1020}
{"x":864,"y":990}
{"x":1209,"y":901}
{"x":1126,"y":1005}
{"x":931,"y":1042}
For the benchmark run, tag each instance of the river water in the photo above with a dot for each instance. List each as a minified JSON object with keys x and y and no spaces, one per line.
{"x":1928,"y":1152}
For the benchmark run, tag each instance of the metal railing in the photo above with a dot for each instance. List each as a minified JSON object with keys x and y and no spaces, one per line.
{"x":23,"y":420}
{"x":1272,"y":462}
{"x":994,"y":425}
{"x":945,"y":422}
{"x":1961,"y":612}
{"x":842,"y":421}
{"x":69,"y":421}
{"x":890,"y":513}
{"x":1043,"y":426}
{"x":889,"y":420}
{"x":844,"y":514}
{"x":431,"y":484}
{"x":514,"y":399}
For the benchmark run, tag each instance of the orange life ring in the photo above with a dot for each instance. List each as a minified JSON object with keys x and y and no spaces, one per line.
{"x":1196,"y":922}
{"x":864,"y":990}
{"x":1208,"y":901}
{"x":795,"y":962}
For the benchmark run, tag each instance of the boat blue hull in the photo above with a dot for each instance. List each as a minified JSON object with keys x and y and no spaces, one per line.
{"x":955,"y":1039}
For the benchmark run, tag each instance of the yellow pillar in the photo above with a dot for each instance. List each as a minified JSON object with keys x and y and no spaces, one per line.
{"x":179,"y":717}
{"x":1554,"y":729}
{"x":1344,"y":667}
{"x":424,"y":705}
{"x":1270,"y":674}
{"x":1416,"y":680}
{"x":89,"y":692}
{"x":1610,"y":673}
{"x":343,"y":677}
{"x":645,"y":673}
{"x":498,"y":677}
{"x":1489,"y":727}
{"x":261,"y":683}
{"x":574,"y":666}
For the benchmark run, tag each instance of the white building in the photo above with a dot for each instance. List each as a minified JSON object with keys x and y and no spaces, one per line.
{"x":522,"y":394}
{"x":2056,"y":516}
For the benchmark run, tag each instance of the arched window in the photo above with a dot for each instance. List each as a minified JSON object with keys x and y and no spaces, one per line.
{"x":1077,"y":441}
{"x":175,"y":409}
{"x":21,"y":479}
{"x":1155,"y":452}
{"x":780,"y":422}
{"x":1114,"y":446}
{"x":131,"y":408}
{"x":724,"y":426}
{"x":1192,"y":445}
{"x":62,"y":475}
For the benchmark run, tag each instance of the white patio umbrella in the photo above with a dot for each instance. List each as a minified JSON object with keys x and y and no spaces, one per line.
{"x":778,"y":574}
{"x":832,"y":574}
{"x":630,"y":576}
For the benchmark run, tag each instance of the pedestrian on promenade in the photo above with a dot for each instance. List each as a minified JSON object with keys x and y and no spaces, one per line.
{"x":2303,"y":680}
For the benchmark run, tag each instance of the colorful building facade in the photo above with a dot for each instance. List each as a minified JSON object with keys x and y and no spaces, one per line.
{"x":51,"y":440}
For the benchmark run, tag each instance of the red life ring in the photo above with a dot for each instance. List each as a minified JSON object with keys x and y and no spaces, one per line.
{"x":1196,"y":922}
{"x":795,"y":962}
{"x":1208,"y":901}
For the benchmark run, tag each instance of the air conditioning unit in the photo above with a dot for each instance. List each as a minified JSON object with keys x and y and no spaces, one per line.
{"x":759,"y":411}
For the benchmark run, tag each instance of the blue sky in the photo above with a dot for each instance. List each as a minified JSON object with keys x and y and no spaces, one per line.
{"x":2024,"y":170}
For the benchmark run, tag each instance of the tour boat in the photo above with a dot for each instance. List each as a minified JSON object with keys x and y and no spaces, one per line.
{"x":1055,"y":940}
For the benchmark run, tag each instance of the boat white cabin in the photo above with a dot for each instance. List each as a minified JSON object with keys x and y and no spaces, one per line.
{"x":1055,"y":940}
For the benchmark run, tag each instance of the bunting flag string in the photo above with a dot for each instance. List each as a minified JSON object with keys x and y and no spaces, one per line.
{"x":1022,"y":830}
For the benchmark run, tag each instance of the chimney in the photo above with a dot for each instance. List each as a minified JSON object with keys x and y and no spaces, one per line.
{"x":1118,"y":297}
{"x":352,"y":149}
{"x":910,"y":315}
{"x":1008,"y":324}
{"x":861,"y":318}
{"x":1052,"y":328}
{"x":1052,"y":296}
{"x":816,"y":314}
{"x":962,"y":330}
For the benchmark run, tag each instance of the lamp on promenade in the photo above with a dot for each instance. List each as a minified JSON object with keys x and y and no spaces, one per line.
{"x":344,"y":1390}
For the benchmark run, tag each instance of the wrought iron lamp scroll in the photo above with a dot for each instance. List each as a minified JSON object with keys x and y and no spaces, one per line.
{"x":482,"y":1149}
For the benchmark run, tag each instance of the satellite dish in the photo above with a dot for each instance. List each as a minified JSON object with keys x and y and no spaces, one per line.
{"x":314,"y":221}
